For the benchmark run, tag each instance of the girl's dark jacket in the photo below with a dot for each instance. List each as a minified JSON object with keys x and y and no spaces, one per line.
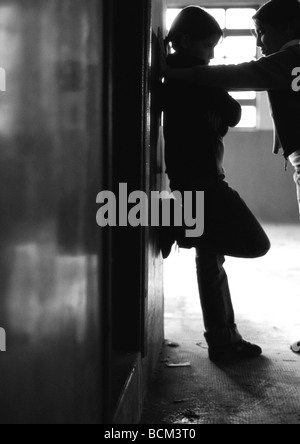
{"x":193,"y":150}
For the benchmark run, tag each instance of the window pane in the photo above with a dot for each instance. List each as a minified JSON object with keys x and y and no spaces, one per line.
{"x":240,"y":18}
{"x":219,"y":14}
{"x":230,"y":60}
{"x":171,"y":16}
{"x":248,"y":117}
{"x":238,"y":47}
{"x":243,"y":95}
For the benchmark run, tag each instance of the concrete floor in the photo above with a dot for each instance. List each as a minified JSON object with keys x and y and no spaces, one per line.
{"x":266,"y":295}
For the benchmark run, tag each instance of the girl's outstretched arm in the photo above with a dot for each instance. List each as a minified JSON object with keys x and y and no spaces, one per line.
{"x":273,"y":72}
{"x":225,"y":77}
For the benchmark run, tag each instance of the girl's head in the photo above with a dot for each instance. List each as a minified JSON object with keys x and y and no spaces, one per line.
{"x":196,"y":33}
{"x":277,"y":22}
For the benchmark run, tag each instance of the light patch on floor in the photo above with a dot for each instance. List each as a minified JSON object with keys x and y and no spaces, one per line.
{"x":266,"y":297}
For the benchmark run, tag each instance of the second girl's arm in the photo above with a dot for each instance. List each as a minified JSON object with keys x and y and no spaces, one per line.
{"x":273,"y":72}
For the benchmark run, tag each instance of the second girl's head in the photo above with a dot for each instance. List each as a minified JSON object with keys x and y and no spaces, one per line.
{"x":277,"y":22}
{"x":195,"y":33}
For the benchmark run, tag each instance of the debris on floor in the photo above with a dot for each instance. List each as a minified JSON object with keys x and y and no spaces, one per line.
{"x":191,"y":415}
{"x":172,"y":344}
{"x":267,"y":306}
{"x":181,"y":364}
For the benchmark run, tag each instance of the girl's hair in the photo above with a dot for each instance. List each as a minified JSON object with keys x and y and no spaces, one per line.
{"x":195,"y":22}
{"x":281,"y":13}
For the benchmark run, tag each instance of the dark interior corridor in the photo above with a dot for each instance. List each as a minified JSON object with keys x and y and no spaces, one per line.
{"x":83,"y":306}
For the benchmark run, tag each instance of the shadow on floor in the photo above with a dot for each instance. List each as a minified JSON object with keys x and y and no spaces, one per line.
{"x":263,"y":391}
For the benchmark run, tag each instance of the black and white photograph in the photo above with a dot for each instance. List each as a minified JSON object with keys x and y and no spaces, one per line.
{"x":149,"y":214}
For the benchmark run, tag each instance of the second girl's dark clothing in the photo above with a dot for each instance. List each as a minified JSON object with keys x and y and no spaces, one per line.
{"x":274,"y":75}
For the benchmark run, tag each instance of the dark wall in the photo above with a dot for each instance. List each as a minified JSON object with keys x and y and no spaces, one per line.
{"x":136,"y":263}
{"x":80,"y":305}
{"x":50,"y":172}
{"x":154,"y":313}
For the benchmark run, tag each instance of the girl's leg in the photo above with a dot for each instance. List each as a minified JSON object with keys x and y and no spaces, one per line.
{"x":218,"y":314}
{"x":295,"y":161}
{"x":231,"y":229}
{"x":237,"y":232}
{"x":223,"y":338}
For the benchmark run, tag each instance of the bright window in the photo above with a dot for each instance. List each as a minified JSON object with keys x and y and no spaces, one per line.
{"x":240,"y":18}
{"x":248,"y":117}
{"x":238,"y":46}
{"x":171,"y":16}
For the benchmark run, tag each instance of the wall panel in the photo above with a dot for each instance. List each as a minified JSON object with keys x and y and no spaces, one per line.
{"x":50,"y":171}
